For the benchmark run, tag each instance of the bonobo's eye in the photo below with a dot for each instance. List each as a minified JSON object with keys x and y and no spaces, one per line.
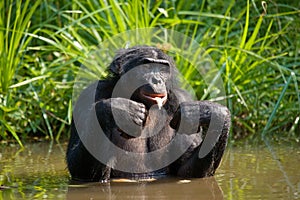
{"x":156,"y":67}
{"x":165,"y":69}
{"x":162,"y":68}
{"x":147,"y":68}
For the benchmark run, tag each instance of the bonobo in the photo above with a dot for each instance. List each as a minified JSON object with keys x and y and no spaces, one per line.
{"x":138,"y":123}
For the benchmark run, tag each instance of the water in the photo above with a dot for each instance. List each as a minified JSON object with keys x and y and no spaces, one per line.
{"x":39,"y":172}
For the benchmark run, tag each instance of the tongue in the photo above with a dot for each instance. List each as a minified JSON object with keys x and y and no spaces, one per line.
{"x":160,"y":99}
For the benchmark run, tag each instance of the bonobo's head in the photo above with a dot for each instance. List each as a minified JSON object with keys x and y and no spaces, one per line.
{"x":144,"y":72}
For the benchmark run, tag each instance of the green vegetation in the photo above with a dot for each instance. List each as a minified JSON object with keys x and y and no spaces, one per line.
{"x":256,"y":46}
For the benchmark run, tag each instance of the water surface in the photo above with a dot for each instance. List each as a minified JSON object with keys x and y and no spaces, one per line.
{"x":39,"y":172}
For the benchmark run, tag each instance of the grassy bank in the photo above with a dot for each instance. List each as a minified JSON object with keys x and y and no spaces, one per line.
{"x":255,"y":45}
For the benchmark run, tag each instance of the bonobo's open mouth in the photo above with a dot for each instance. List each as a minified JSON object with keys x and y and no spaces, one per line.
{"x":159,"y":99}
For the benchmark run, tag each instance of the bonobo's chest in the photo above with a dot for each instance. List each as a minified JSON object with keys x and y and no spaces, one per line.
{"x":155,"y":134}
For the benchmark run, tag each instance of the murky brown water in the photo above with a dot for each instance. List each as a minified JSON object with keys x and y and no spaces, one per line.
{"x":39,"y":172}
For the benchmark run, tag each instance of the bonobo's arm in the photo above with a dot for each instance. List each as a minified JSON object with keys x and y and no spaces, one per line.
{"x":127,"y":115}
{"x":81,"y":164}
{"x":214,"y":121}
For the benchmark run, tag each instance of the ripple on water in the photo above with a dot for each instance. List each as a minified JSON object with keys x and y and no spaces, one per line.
{"x":39,"y":172}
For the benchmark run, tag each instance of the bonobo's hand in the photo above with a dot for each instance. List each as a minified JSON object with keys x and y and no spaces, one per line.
{"x":128,"y":115}
{"x":126,"y":109}
{"x":190,"y":116}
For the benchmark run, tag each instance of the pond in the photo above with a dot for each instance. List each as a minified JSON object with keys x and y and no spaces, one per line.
{"x":39,"y":172}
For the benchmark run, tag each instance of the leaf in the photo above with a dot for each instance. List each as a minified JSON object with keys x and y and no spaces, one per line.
{"x":13,"y":132}
{"x":28,"y":81}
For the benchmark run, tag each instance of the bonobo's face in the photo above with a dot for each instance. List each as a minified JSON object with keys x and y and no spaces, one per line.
{"x":154,"y":77}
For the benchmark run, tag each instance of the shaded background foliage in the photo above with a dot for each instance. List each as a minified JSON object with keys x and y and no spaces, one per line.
{"x":255,"y":46}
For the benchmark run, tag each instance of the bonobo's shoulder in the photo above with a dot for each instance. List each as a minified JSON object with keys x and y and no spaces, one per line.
{"x":104,"y":89}
{"x":100,"y":89}
{"x":104,"y":84}
{"x":182,"y":95}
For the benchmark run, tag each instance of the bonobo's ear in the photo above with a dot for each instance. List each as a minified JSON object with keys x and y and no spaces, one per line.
{"x":116,"y":67}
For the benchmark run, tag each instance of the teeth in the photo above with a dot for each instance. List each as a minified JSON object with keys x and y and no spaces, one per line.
{"x":160,"y":101}
{"x":159,"y":98}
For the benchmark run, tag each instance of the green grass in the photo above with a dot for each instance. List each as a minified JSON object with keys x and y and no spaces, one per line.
{"x":14,"y":23}
{"x":255,"y":48}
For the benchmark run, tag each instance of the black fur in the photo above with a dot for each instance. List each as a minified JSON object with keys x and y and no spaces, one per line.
{"x":180,"y":109}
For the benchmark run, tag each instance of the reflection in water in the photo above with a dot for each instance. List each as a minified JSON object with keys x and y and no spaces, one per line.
{"x":206,"y":188}
{"x":39,"y":172}
{"x":255,"y":173}
{"x":36,"y":172}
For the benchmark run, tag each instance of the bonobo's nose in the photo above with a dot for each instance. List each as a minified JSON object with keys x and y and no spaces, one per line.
{"x":156,"y":81}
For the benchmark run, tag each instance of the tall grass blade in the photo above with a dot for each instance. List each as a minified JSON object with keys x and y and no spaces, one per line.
{"x":264,"y":132}
{"x":12,"y":131}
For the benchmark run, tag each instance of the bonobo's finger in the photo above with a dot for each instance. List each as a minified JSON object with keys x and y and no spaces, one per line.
{"x":141,"y":108}
{"x":138,"y":113}
{"x":136,"y":107}
{"x":142,"y":113}
{"x":176,"y":119}
{"x":190,"y":111}
{"x":138,"y":121}
{"x":186,"y":118}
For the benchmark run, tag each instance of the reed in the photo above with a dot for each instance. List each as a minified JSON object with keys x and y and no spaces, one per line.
{"x":254,"y":46}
